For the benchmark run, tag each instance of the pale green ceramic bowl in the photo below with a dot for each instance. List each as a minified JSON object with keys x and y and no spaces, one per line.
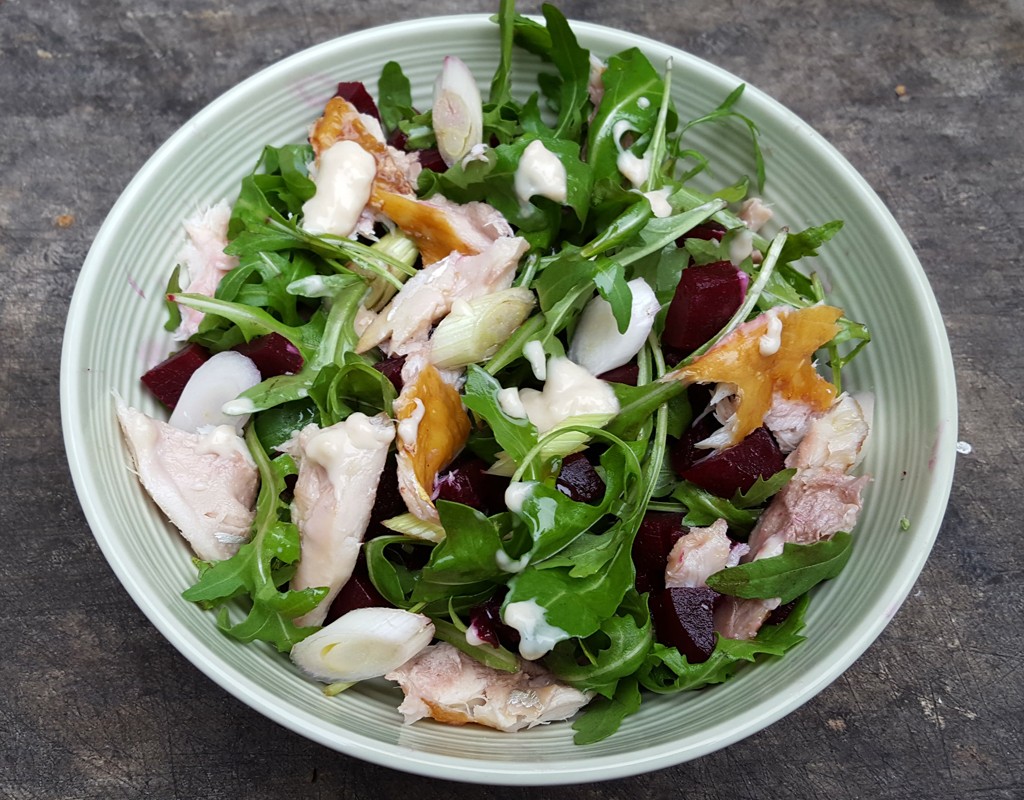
{"x":114,"y":331}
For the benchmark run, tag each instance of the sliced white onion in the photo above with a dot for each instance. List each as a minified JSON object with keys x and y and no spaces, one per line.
{"x":221,"y":379}
{"x":476,"y":328}
{"x":364,"y":643}
{"x":457,"y":114}
{"x":597,"y":345}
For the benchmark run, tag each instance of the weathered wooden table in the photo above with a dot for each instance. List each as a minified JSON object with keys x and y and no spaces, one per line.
{"x":925,"y":99}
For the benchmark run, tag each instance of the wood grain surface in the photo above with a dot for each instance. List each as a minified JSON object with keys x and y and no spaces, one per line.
{"x":926,"y":99}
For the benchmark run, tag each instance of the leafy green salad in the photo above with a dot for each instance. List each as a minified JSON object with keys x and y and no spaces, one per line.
{"x":520,"y":406}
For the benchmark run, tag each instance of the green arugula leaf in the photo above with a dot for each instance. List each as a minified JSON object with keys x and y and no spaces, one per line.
{"x":603,"y":716}
{"x":788,"y":575}
{"x":256,"y":569}
{"x":725,"y":111}
{"x":495,"y":657}
{"x":573,"y":64}
{"x":501,"y":83}
{"x":628,"y":78}
{"x":763,"y":489}
{"x":353,"y":385}
{"x":394,"y":96}
{"x":667,"y":671}
{"x":703,"y":508}
{"x":515,"y":435}
{"x":615,"y":651}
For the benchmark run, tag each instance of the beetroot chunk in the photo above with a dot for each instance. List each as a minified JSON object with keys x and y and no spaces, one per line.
{"x":578,"y":480}
{"x":627,"y":373}
{"x":737,"y":468}
{"x":684,"y":618}
{"x":706,"y":296}
{"x":272,"y":354}
{"x":388,"y":503}
{"x":707,"y":230}
{"x":486,"y":623}
{"x":355,"y":92}
{"x":391,"y":368}
{"x":168,"y":378}
{"x":467,"y":482}
{"x":358,"y":592}
{"x":430,"y":158}
{"x":654,"y":540}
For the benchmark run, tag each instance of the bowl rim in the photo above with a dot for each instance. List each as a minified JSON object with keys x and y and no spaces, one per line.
{"x":468,"y":769}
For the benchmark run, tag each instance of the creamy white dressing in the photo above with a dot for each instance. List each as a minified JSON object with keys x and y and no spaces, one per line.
{"x":570,"y":391}
{"x":509,"y":402}
{"x":537,"y":636}
{"x":533,"y":352}
{"x":636,"y":169}
{"x":472,"y":639}
{"x":343,"y":184}
{"x":658,"y":199}
{"x":222,"y":441}
{"x":540,"y":173}
{"x":516,"y":494}
{"x":409,"y":427}
{"x":238,"y":407}
{"x":506,"y":563}
{"x":338,"y":448}
{"x":768,"y":344}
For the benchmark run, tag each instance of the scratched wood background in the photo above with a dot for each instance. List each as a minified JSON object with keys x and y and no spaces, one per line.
{"x":95,"y":704}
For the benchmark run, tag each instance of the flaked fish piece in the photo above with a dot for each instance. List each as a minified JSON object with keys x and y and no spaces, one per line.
{"x":339,"y":470}
{"x":814,"y":505}
{"x":440,"y":227}
{"x":341,"y":121}
{"x":698,"y":554}
{"x":761,"y":373}
{"x":447,"y":685}
{"x":433,"y":427}
{"x":737,"y":618}
{"x":204,"y":260}
{"x":428,"y":296}
{"x":205,"y":483}
{"x":820,"y":500}
{"x":755,"y":213}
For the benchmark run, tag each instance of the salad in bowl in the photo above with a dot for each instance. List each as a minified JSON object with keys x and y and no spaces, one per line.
{"x":501,"y":401}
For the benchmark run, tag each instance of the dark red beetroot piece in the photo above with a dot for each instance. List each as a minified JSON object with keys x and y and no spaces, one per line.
{"x":355,"y":92}
{"x":706,"y":296}
{"x":272,"y":354}
{"x":684,"y":618}
{"x":430,"y":158}
{"x":683,"y":454}
{"x":706,"y":230}
{"x":358,"y":592}
{"x":392,"y":370}
{"x":658,"y":533}
{"x":168,"y":378}
{"x":578,"y":480}
{"x":781,"y":613}
{"x":388,"y":502}
{"x":627,"y":373}
{"x":485,"y":621}
{"x":466,"y":481}
{"x":737,"y":468}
